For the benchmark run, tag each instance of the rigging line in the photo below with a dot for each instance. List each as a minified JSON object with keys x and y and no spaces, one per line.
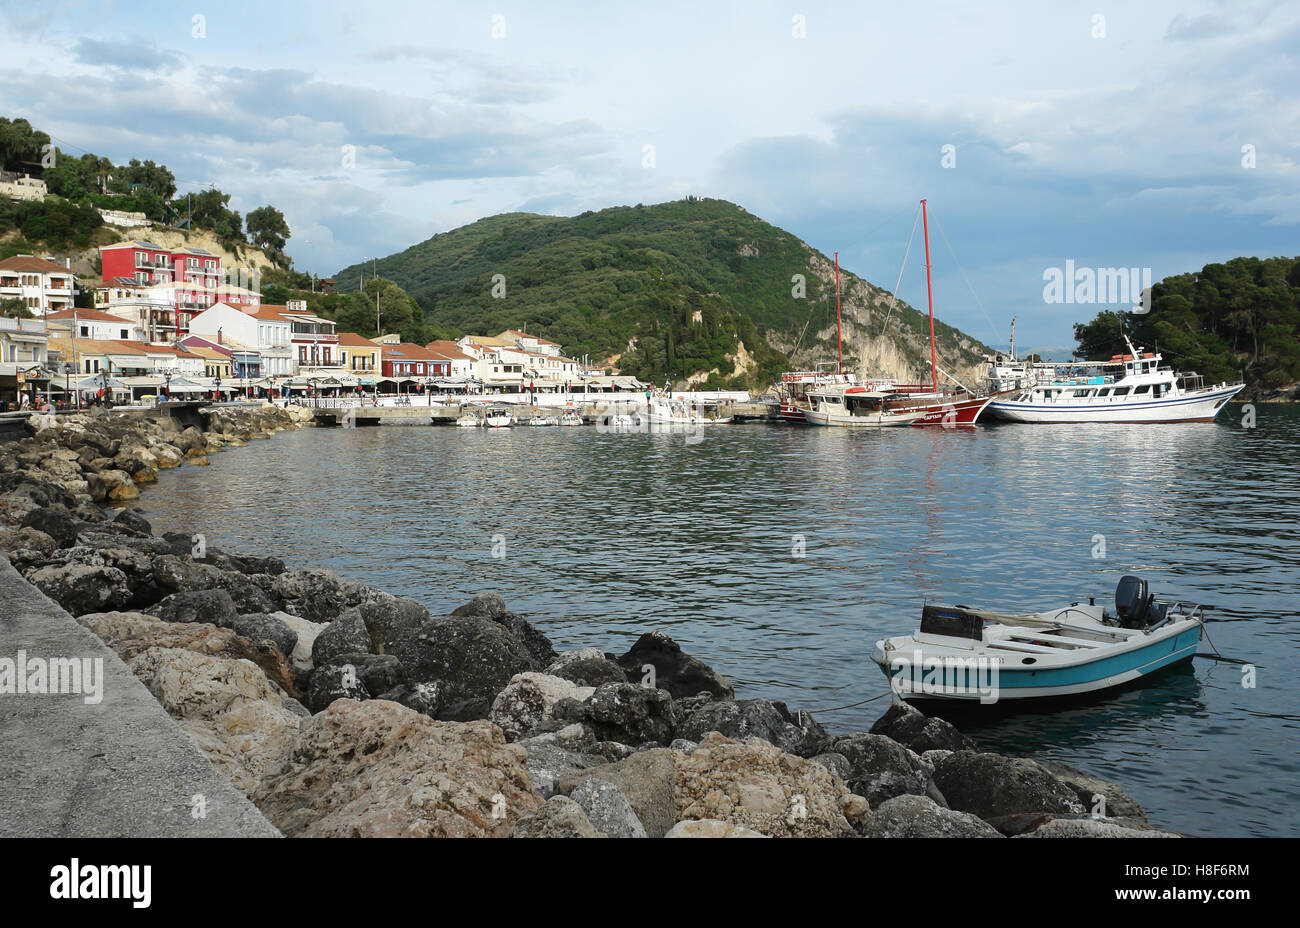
{"x":893,"y":297}
{"x":850,"y":705}
{"x":962,"y":271}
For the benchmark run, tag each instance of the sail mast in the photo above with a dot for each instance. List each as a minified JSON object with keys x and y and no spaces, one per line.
{"x":839,"y":339}
{"x":929,"y":296}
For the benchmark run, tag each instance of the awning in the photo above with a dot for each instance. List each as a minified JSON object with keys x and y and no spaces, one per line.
{"x":97,"y":382}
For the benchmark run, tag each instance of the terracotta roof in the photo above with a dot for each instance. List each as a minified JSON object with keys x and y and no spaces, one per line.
{"x":403,"y":351}
{"x":32,"y":265}
{"x":89,"y":314}
{"x":512,"y":333}
{"x":353,"y":340}
{"x":448,"y":349}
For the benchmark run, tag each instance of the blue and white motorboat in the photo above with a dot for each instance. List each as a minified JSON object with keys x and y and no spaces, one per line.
{"x":968,"y":654}
{"x":1133,"y":387}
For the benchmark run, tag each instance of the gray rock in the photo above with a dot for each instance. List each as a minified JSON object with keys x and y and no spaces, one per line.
{"x":910,"y":816}
{"x":683,"y":745}
{"x":756,"y":718}
{"x":587,"y":667}
{"x":134,"y":521}
{"x":607,"y":808}
{"x":558,"y":817}
{"x":353,"y":676}
{"x":1096,"y":794}
{"x":647,"y":780}
{"x":471,"y":658}
{"x":921,"y":733}
{"x":991,"y":785}
{"x":212,"y":606}
{"x":882,"y":768}
{"x":624,"y":712}
{"x":837,"y":764}
{"x":347,"y":634}
{"x":55,"y":523}
{"x":82,"y":588}
{"x":389,"y":620}
{"x":258,"y":626}
{"x":674,"y":670}
{"x":548,"y":761}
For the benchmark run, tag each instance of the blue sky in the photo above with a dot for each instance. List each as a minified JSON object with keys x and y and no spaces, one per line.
{"x":1112,"y":144}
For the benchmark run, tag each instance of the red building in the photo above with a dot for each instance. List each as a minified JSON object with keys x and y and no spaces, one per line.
{"x":190,"y":279}
{"x":405,"y":360}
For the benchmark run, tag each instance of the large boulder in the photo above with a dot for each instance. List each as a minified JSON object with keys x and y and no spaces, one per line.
{"x":319,"y":595}
{"x":646,"y":779}
{"x":212,"y":606}
{"x":228,"y":706}
{"x":1093,"y":828}
{"x":53,"y":522}
{"x":491,"y":606}
{"x":607,"y":808}
{"x":378,"y":769}
{"x":757,"y":786}
{"x":390,"y":619}
{"x":909,"y":816}
{"x":558,"y":817}
{"x":27,"y":539}
{"x":130,"y":633}
{"x":910,"y":728}
{"x":347,"y":634}
{"x":756,"y":718}
{"x":82,"y":588}
{"x":354,"y":676}
{"x":471,"y":659}
{"x":990,"y":785}
{"x":674,"y":670}
{"x":625,"y":712}
{"x":587,"y":667}
{"x":1100,"y":797}
{"x":529,"y":700}
{"x":881,"y":768}
{"x":266,"y":626}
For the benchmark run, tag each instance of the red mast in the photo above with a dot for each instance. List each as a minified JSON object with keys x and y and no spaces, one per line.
{"x":839,"y":364}
{"x":929,"y":296}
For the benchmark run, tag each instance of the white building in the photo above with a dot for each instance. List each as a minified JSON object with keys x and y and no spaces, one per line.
{"x":23,"y":358}
{"x":40,"y":285}
{"x":264,"y":329}
{"x":24,"y":187}
{"x":90,"y":323}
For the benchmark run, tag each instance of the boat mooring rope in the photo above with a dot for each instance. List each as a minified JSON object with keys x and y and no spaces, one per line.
{"x":850,"y":705}
{"x":1217,"y":655}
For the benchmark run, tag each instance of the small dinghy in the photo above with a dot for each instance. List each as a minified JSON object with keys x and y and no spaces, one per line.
{"x":967,"y":654}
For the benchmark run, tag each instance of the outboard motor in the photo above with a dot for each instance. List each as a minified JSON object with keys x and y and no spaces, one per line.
{"x":1132,"y":601}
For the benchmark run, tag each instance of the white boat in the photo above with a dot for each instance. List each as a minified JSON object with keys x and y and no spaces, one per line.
{"x":570,"y":418}
{"x":972,"y":655}
{"x":664,"y":410}
{"x":469,"y":421}
{"x":858,"y":407}
{"x":498,"y":419}
{"x":537,"y":421}
{"x":1127,"y":388}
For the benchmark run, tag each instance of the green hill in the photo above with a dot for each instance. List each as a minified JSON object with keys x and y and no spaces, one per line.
{"x":694,"y":288}
{"x":1232,"y":320}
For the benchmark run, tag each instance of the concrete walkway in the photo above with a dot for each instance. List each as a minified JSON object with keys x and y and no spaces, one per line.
{"x":122,"y":767}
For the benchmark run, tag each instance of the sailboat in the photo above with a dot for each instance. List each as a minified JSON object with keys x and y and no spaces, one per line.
{"x":887,"y":402}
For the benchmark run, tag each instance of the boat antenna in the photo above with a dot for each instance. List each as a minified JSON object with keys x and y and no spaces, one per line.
{"x":1013,"y":338}
{"x":929,"y":296}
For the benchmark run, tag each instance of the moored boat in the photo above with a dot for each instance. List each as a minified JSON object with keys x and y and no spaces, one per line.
{"x":973,"y":655}
{"x":1132,"y":387}
{"x":498,"y":418}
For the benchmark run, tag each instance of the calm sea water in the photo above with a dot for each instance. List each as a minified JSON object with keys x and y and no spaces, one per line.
{"x":608,"y":535}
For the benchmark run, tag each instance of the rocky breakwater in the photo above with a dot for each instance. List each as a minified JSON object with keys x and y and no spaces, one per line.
{"x":341,"y":710}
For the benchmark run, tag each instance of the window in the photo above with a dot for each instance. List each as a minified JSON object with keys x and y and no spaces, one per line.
{"x":85,"y":331}
{"x":1145,"y":388}
{"x":126,"y":333}
{"x":1121,"y":391}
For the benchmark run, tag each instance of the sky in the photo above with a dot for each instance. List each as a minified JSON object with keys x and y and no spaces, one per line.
{"x":1160,"y":135}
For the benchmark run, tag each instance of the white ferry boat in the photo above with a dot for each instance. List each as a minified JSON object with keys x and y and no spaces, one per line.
{"x":1128,"y":388}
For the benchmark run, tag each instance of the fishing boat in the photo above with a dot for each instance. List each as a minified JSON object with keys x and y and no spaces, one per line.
{"x":858,"y":407}
{"x":1131,"y":387}
{"x":498,"y":418}
{"x":973,"y":655}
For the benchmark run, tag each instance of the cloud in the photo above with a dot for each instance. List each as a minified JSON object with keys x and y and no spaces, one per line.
{"x":125,"y":54}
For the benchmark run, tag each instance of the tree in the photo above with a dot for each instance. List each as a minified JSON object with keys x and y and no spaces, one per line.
{"x":155,"y":177}
{"x":208,"y":209}
{"x":21,"y":146}
{"x":13,"y":308}
{"x":268,"y":229}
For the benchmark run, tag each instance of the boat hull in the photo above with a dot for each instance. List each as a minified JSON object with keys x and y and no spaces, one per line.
{"x":964,"y":412}
{"x":1200,"y":407}
{"x":1163,"y":650}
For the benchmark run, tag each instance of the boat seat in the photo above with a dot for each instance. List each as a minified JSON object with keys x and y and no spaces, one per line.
{"x":1065,"y":639}
{"x":1003,"y":644}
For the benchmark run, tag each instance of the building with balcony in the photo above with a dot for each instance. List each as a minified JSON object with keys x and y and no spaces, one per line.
{"x":22,"y":187}
{"x":263,"y":330}
{"x":90,"y":323}
{"x":314,"y":339}
{"x":360,"y":356}
{"x":151,"y":308}
{"x":24,"y":360}
{"x":40,"y":285}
